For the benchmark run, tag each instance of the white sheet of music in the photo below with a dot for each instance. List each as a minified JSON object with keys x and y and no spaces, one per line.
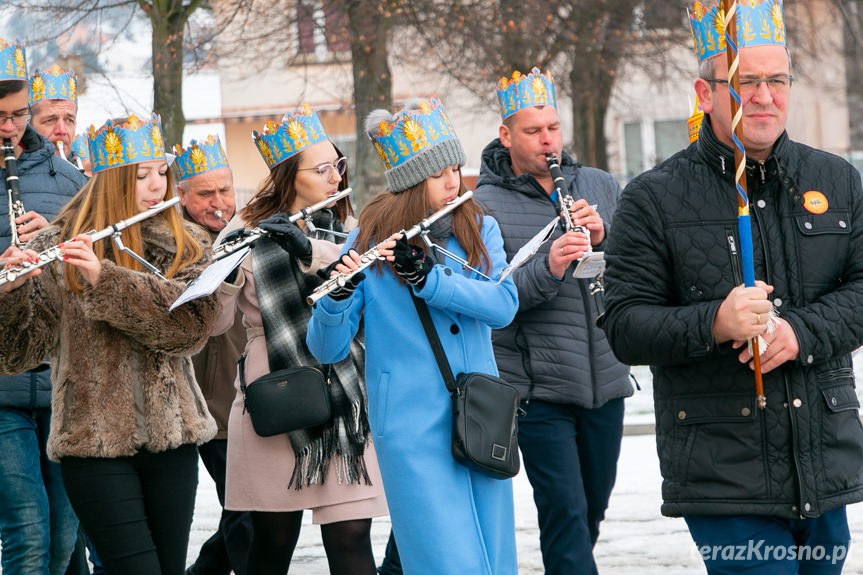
{"x":212,"y":277}
{"x":528,"y":250}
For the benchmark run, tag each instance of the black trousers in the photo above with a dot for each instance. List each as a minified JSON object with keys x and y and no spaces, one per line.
{"x":136,"y":510}
{"x":228,"y":548}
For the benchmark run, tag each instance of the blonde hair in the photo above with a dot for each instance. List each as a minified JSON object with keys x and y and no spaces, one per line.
{"x":108,"y":198}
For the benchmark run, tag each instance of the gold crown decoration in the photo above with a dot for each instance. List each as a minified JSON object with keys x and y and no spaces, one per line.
{"x":694,"y":121}
{"x":80,"y":147}
{"x":523,"y":91}
{"x":132,"y":142}
{"x":13,"y":61}
{"x":53,"y":84}
{"x":200,"y":157}
{"x":295,"y":133}
{"x":759,"y":23}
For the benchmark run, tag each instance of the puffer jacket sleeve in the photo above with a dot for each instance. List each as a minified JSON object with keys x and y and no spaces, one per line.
{"x":832,"y":325}
{"x":137,"y":303}
{"x":641,"y":322}
{"x":481,"y":299}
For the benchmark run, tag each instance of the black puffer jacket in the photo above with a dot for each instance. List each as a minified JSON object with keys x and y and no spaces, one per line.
{"x":552,"y":343}
{"x":672,"y":258}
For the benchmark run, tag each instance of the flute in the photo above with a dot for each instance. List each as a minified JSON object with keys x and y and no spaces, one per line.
{"x":372,"y":255}
{"x":225,"y":249}
{"x":53,"y":253}
{"x":16,"y":206}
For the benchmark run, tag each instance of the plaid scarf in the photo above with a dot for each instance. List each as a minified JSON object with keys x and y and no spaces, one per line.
{"x":282,"y":289}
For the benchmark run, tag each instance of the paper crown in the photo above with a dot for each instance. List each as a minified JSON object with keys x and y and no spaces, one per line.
{"x":694,"y":121}
{"x":278,"y":142}
{"x":411,"y":133}
{"x":132,"y":142}
{"x":80,"y":147}
{"x":13,"y":62}
{"x":415,"y":144}
{"x":54,"y":83}
{"x":523,"y":91}
{"x":199,"y":158}
{"x":759,"y":23}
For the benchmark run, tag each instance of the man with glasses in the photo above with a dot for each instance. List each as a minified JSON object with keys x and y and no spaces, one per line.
{"x":763,"y":489}
{"x":37,"y":524}
{"x":205,"y":185}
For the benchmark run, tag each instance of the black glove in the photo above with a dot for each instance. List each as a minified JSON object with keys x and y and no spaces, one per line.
{"x":345,"y":291}
{"x":234,"y":235}
{"x":289,"y":236}
{"x":411,"y":263}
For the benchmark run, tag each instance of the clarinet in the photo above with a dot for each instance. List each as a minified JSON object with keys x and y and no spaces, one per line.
{"x":225,"y":249}
{"x":53,"y":253}
{"x":16,"y":206}
{"x":374,"y":254}
{"x":596,"y":287}
{"x":79,"y":165}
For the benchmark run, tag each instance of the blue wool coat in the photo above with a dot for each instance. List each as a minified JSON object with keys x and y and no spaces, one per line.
{"x":446,"y":518}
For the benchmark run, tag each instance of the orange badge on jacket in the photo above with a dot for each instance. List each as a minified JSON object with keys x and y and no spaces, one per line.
{"x":815,"y":202}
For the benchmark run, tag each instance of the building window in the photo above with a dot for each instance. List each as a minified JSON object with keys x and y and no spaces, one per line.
{"x":322,"y":30}
{"x":647,"y":142}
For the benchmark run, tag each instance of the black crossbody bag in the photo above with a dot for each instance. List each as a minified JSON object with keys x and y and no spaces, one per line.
{"x":484,"y":412}
{"x":286,"y":400}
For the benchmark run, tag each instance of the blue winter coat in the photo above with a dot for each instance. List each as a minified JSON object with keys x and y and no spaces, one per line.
{"x":446,"y":518}
{"x":46,"y":184}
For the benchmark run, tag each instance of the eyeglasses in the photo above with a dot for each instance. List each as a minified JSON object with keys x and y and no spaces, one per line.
{"x":326,"y":170}
{"x":749,"y":86}
{"x":17,"y":119}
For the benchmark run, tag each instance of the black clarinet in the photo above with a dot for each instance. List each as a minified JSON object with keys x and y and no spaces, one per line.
{"x":16,"y":206}
{"x":596,"y":287}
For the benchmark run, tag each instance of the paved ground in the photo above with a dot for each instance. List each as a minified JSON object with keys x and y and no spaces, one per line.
{"x":635,"y":539}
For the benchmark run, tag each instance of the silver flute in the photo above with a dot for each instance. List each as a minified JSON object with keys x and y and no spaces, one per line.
{"x":225,"y":249}
{"x":54,"y":253}
{"x":16,"y":206}
{"x":374,"y":254}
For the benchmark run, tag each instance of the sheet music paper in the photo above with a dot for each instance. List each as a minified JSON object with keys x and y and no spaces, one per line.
{"x":528,"y":250}
{"x":211,"y":278}
{"x":590,"y":265}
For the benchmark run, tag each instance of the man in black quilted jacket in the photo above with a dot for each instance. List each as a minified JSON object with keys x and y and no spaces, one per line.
{"x":571,"y":385}
{"x":762,"y":490}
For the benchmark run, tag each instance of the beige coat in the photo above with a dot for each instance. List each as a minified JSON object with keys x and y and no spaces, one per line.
{"x":259,"y":468}
{"x":122,"y":375}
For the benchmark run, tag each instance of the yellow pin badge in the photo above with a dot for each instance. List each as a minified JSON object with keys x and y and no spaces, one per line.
{"x":815,"y":202}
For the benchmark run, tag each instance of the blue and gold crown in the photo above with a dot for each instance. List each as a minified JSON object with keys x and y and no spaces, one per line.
{"x":80,"y":147}
{"x":759,"y":23}
{"x":132,"y":142}
{"x":200,"y":158}
{"x":13,"y":62}
{"x":412,"y":132}
{"x":54,"y":83}
{"x":523,"y":91}
{"x":296,"y":132}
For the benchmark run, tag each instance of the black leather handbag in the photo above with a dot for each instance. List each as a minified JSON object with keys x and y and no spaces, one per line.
{"x":485,"y":412}
{"x":286,"y":400}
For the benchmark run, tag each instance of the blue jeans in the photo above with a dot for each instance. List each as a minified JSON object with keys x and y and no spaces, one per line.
{"x":38,"y":528}
{"x":772,"y":546}
{"x":570,"y":457}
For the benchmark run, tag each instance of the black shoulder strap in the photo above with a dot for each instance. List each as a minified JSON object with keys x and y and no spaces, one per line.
{"x":434,"y":340}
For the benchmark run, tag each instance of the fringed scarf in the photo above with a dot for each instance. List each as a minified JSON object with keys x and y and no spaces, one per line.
{"x":282,"y":289}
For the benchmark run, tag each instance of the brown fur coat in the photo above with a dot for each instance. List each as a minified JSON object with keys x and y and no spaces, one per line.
{"x":122,"y":375}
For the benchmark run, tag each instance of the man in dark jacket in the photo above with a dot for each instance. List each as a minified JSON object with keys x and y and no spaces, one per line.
{"x":571,"y":385}
{"x":37,"y":524}
{"x":762,"y":490}
{"x":206,"y":189}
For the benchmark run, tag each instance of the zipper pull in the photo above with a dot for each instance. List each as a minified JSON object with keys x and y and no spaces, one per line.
{"x":732,"y":244}
{"x":722,"y":162}
{"x":763,"y":171}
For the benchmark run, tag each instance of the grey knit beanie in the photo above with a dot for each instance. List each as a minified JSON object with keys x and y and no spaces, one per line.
{"x":418,"y":119}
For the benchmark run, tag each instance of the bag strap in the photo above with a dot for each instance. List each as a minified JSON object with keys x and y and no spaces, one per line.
{"x":434,"y":340}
